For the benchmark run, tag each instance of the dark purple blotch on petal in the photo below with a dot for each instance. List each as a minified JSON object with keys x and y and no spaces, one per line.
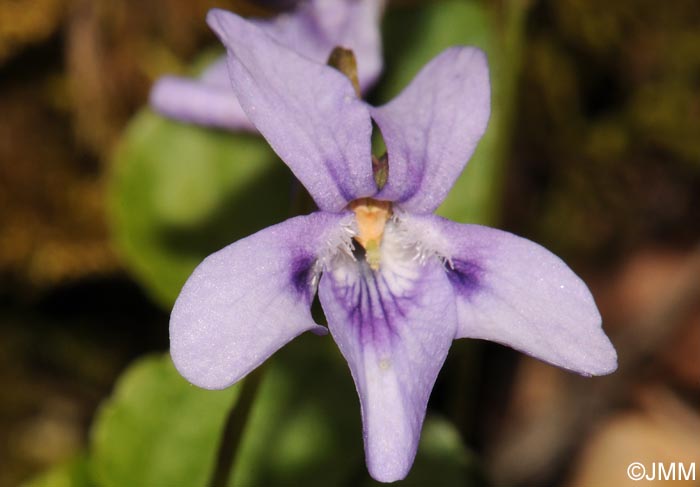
{"x":465,"y":276}
{"x":302,"y":275}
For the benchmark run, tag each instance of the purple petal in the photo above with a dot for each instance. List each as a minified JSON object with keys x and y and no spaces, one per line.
{"x":209,"y":101}
{"x":394,"y":327}
{"x":316,"y":27}
{"x":247,"y":300}
{"x":432,"y":128}
{"x":308,"y":112}
{"x":515,"y":292}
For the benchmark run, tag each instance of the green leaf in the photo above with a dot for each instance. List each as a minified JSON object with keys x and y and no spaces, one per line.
{"x":304,"y":428}
{"x":157,"y":429}
{"x":74,"y":473}
{"x":179,"y":192}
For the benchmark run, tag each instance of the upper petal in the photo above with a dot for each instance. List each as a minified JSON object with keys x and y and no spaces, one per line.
{"x":394,"y":327}
{"x":245,"y":301}
{"x":513,"y":291}
{"x":432,"y":128}
{"x":317,"y":26}
{"x":208,"y":101}
{"x":307,"y":111}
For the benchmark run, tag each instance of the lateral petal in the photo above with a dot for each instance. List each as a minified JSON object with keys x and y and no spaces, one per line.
{"x":432,"y":128}
{"x":515,"y":292}
{"x":245,"y":301}
{"x":394,"y":326}
{"x":307,"y":111}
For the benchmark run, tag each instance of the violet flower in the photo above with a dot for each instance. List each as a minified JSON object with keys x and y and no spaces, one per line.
{"x":313,"y":29}
{"x":396,"y":282}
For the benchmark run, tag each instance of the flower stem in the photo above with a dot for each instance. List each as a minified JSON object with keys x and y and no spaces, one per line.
{"x":233,"y":429}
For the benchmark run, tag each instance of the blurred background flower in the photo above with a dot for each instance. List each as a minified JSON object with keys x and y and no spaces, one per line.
{"x":105,"y":208}
{"x":314,"y":28}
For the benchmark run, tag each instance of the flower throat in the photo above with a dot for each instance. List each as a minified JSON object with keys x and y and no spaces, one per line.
{"x":371,"y":217}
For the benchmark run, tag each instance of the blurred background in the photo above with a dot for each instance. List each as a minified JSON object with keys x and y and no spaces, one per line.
{"x":105,"y":208}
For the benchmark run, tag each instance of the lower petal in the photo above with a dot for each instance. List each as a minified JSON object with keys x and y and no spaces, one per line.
{"x":394,"y":326}
{"x":515,"y":292}
{"x":247,"y":300}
